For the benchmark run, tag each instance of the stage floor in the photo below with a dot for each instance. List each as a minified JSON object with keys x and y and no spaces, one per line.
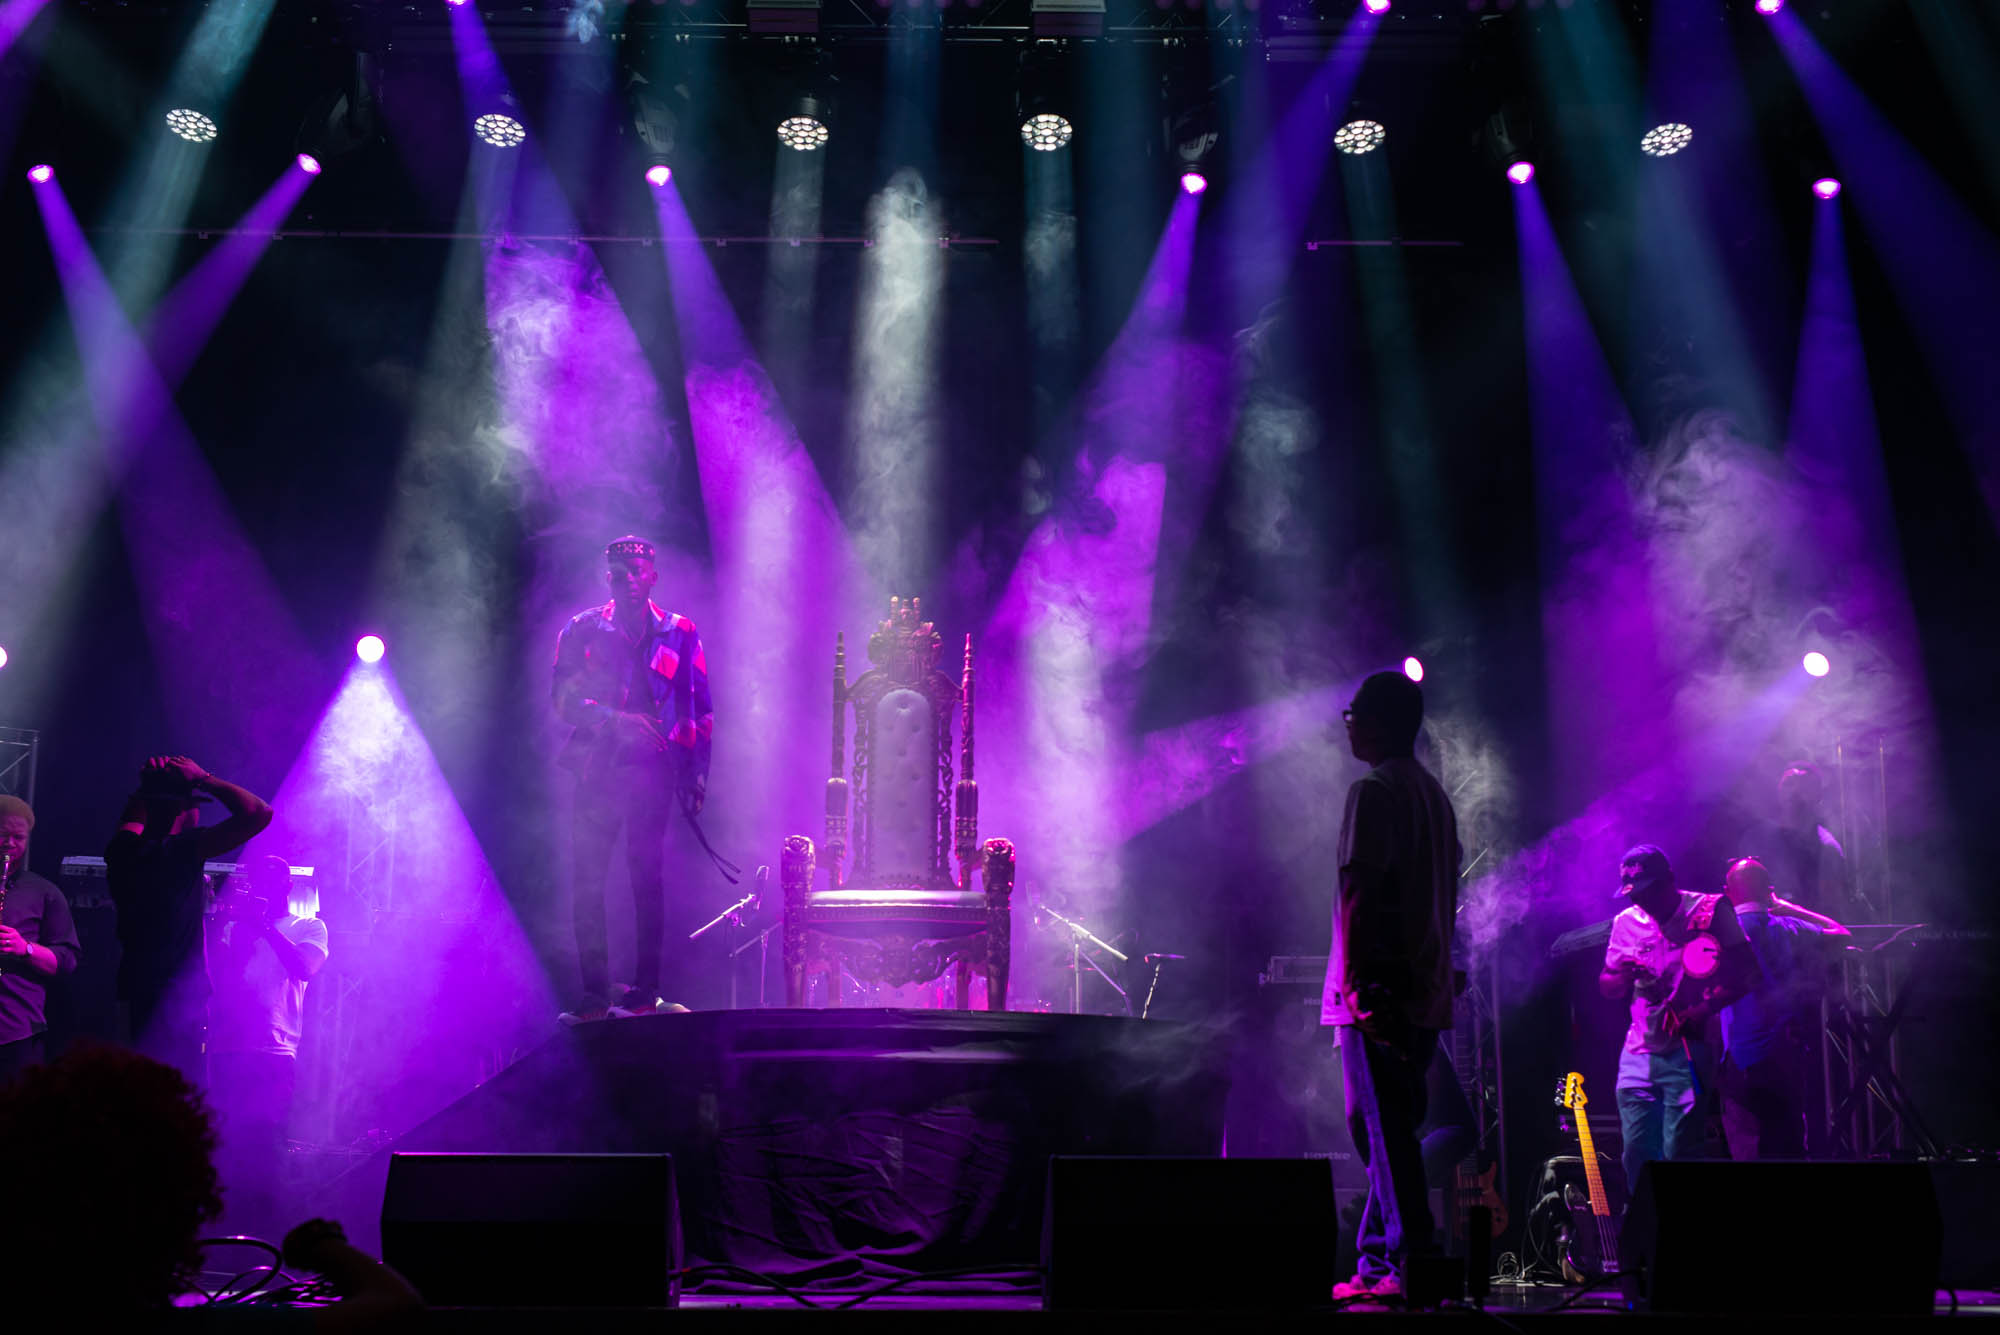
{"x":1515,"y":1308}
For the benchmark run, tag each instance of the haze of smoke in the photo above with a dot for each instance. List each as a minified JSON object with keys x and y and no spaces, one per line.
{"x":1049,"y":256}
{"x":1742,"y":584}
{"x":893,"y":431}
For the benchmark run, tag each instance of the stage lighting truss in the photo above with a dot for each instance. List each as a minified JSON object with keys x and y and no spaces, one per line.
{"x":500,"y":131}
{"x":1360,"y":136}
{"x":1663,"y":141}
{"x":1045,"y":131}
{"x":191,"y":125}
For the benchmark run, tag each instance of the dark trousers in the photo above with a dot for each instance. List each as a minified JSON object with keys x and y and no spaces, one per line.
{"x":252,"y":1096}
{"x":19,"y":1055}
{"x":171,"y":1025}
{"x":640,"y":801}
{"x":1764,"y":1106}
{"x":1448,"y":1132}
{"x":1386,"y":1100}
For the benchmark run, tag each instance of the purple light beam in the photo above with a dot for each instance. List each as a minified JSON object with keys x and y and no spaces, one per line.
{"x":1942,"y":263}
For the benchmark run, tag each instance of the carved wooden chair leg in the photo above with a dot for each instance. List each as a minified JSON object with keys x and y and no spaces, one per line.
{"x":962,"y":984}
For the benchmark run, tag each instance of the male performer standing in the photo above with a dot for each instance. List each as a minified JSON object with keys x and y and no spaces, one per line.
{"x":633,"y":681}
{"x":1766,"y":1035}
{"x":1389,"y":977}
{"x":37,"y":942}
{"x":1806,"y":861}
{"x":153,"y":869}
{"x":1680,"y":957}
{"x":269,"y":946}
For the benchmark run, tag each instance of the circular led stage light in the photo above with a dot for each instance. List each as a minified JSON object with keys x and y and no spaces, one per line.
{"x":191,"y":125}
{"x":500,"y":131}
{"x":802,"y":133}
{"x":309,"y":164}
{"x":659,"y":174}
{"x":1045,"y":131}
{"x":41,"y":173}
{"x":1193,"y":182}
{"x":1769,"y":6}
{"x":1360,"y":136}
{"x":369,"y":648}
{"x":1826,"y":187}
{"x":1663,"y":141}
{"x":1413,"y":668}
{"x":1376,"y":6}
{"x":1521,"y":173}
{"x":1816,"y":664}
{"x":3,"y":656}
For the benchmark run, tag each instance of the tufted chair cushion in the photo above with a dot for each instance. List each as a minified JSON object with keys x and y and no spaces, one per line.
{"x":902,"y":786}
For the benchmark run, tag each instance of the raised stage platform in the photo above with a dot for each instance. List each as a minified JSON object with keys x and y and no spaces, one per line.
{"x":812,"y":1145}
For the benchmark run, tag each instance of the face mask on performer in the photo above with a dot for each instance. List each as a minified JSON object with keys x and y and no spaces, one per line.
{"x":1646,"y":878}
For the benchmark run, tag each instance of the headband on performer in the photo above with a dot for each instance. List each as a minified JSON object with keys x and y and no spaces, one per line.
{"x":628,"y":546}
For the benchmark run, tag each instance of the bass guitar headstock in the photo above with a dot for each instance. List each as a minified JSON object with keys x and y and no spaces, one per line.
{"x":1569,"y":1092}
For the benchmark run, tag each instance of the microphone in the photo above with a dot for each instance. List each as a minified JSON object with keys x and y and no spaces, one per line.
{"x":1156,"y":959}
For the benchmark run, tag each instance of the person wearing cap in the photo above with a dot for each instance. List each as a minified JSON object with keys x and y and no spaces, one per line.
{"x":632,"y":681}
{"x":1677,"y":958}
{"x":153,"y":870}
{"x":1389,"y":977}
{"x":1767,"y":1033}
{"x":37,"y":942}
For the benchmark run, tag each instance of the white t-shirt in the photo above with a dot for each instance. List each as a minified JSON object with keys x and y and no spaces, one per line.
{"x":1664,"y":950}
{"x":260,"y":1011}
{"x":1400,"y":823}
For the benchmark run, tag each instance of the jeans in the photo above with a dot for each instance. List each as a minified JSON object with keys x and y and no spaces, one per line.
{"x":1657,"y":1116}
{"x":640,"y":799}
{"x":1385,"y":1104}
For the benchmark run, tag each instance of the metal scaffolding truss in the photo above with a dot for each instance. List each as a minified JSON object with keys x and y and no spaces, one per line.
{"x":18,"y":749}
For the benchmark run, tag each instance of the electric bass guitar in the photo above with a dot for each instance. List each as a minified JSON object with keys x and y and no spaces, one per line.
{"x":1590,"y":1244}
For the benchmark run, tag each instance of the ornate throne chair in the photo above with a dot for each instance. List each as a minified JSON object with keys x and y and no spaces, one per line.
{"x":902,"y":914}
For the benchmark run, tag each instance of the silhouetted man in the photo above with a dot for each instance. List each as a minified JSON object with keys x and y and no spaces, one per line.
{"x":633,"y":681}
{"x":1807,"y":864}
{"x":1767,"y":1034}
{"x":1389,"y":973}
{"x":153,"y":869}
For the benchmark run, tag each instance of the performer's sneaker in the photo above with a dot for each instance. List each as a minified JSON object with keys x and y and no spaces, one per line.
{"x":1383,"y":1287}
{"x":1349,"y":1289}
{"x":585,"y":1011}
{"x":634,"y":1002}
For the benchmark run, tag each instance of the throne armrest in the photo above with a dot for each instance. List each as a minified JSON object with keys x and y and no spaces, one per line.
{"x":997,"y":878}
{"x":795,"y":876}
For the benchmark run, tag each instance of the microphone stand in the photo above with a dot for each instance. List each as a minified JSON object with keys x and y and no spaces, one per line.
{"x":1158,"y":962}
{"x":733,"y":916}
{"x":1079,"y":934}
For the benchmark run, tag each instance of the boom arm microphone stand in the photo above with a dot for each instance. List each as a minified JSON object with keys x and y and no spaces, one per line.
{"x":733,"y":916}
{"x":1158,"y":962}
{"x":1079,"y":936}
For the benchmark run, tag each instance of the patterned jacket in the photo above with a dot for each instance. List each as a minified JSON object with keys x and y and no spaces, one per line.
{"x":601,"y":672}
